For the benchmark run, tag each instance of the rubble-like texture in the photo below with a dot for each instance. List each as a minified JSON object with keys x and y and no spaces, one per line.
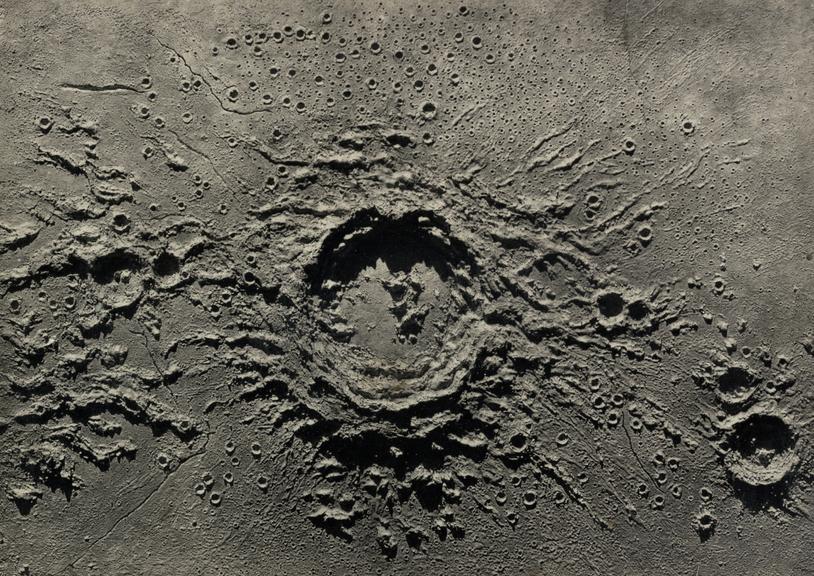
{"x":393,"y":288}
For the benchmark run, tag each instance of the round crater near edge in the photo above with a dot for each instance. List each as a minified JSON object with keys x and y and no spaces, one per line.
{"x":761,"y":449}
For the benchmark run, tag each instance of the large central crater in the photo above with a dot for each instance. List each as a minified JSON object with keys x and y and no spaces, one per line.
{"x":393,"y":306}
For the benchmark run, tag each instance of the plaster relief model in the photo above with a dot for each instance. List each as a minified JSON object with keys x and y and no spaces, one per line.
{"x":377,"y":287}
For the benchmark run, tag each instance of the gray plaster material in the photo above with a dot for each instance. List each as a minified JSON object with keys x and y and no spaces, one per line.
{"x":394,"y":288}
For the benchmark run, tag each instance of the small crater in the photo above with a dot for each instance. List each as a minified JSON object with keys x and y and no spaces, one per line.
{"x":166,"y":265}
{"x":736,"y":385}
{"x":610,"y":304}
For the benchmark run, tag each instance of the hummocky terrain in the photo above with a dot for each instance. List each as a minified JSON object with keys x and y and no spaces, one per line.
{"x":376,"y":287}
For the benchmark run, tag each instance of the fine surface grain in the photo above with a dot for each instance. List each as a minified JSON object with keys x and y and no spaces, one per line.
{"x":374,"y":287}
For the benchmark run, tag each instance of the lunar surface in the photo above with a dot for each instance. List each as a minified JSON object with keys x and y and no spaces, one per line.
{"x":392,"y":288}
